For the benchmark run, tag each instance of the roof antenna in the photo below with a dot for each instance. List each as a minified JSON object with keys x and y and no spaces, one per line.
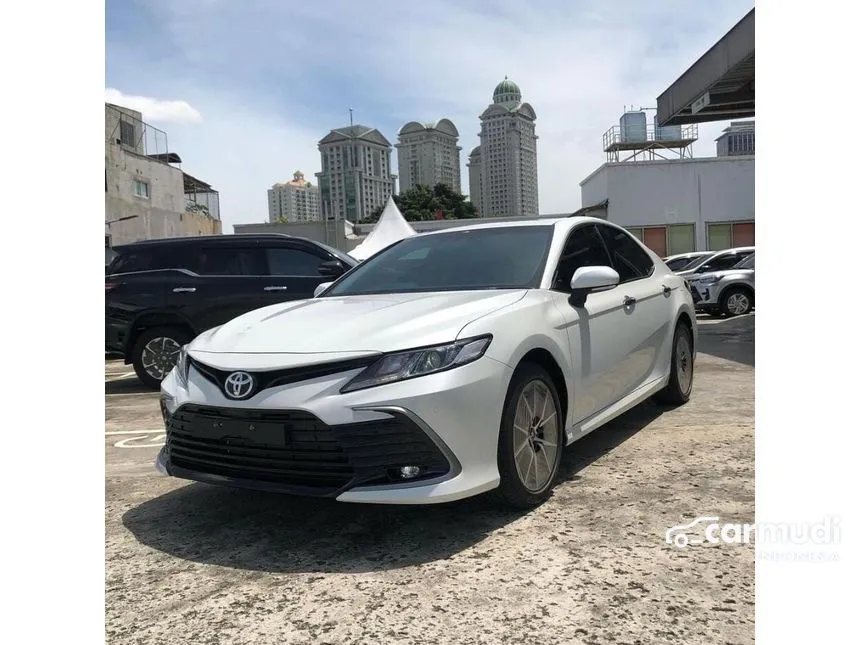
{"x":350,"y":117}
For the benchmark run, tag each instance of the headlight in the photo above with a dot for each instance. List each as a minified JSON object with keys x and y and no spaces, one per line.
{"x":709,"y":280}
{"x":182,"y":365}
{"x":418,"y":362}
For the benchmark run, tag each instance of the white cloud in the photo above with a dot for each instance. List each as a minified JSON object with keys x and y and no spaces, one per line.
{"x":155,"y":109}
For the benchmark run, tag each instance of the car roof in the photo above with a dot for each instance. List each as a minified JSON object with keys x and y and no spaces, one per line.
{"x":190,"y":239}
{"x":544,"y":221}
{"x":687,"y":254}
{"x":735,"y":249}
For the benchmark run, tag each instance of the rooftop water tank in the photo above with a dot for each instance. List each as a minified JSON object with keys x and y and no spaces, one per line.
{"x":633,"y":127}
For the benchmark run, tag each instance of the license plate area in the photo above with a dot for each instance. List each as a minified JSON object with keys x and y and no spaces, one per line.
{"x":242,"y":433}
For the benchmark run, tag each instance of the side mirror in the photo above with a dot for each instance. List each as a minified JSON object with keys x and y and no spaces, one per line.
{"x":587,"y":280}
{"x":321,"y":287}
{"x":332,"y":269}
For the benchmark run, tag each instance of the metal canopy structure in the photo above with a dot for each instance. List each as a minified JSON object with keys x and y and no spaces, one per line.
{"x":717,"y":87}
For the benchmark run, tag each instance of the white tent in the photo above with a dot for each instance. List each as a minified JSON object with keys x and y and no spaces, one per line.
{"x":349,"y":230}
{"x":391,"y":227}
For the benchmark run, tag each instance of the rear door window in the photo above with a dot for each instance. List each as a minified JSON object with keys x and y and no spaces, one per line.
{"x":231,"y":261}
{"x":169,"y":256}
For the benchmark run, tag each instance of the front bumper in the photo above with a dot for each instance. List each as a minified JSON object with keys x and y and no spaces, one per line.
{"x":115,"y":335}
{"x":307,"y":438}
{"x":704,"y":296}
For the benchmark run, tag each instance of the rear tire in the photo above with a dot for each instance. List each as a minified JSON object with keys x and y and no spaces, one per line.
{"x":155,"y":353}
{"x":680,"y":385}
{"x":531,"y":439}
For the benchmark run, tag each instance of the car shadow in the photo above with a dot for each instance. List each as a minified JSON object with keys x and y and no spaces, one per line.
{"x":732,"y":339}
{"x":591,"y":447}
{"x":128,"y":385}
{"x":276,"y":533}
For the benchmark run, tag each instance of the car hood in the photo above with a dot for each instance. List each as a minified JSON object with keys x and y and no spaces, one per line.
{"x":353,"y":325}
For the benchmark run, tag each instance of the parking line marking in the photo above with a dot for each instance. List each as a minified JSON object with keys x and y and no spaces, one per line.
{"x":118,"y":377}
{"x":115,"y":432}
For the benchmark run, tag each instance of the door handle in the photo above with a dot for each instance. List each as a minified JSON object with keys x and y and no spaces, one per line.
{"x":274,"y":288}
{"x":185,"y":290}
{"x":667,"y":290}
{"x":629,"y":302}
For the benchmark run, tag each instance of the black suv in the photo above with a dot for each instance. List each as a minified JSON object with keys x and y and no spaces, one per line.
{"x":160,"y":294}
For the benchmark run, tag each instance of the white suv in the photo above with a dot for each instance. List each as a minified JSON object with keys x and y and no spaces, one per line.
{"x":725,"y":293}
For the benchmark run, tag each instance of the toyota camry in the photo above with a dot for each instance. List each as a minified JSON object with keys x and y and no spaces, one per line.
{"x":447,"y":365}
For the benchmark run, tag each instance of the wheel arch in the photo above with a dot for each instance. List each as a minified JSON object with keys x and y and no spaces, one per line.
{"x":152,"y":319}
{"x":684,"y":318}
{"x":742,"y":285}
{"x":545,"y":352}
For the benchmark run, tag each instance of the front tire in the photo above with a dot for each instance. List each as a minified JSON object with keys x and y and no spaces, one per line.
{"x":680,"y":385}
{"x":155,"y":353}
{"x":531,"y":438}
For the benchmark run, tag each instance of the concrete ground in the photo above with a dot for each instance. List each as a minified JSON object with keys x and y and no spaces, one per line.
{"x":191,"y":563}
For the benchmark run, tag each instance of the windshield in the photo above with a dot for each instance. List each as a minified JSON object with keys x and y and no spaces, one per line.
{"x":697,"y":262}
{"x":746,"y":263}
{"x":677,"y":264}
{"x":511,"y":257}
{"x":340,"y":255}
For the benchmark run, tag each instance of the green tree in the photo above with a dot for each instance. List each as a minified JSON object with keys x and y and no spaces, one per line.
{"x":423,"y":203}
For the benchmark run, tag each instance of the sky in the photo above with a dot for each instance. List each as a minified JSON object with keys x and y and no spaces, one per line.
{"x":245,"y":89}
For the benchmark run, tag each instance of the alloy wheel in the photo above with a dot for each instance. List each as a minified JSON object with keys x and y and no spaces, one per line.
{"x":535,"y":436}
{"x":684,"y":363}
{"x":159,"y":356}
{"x":738,"y":304}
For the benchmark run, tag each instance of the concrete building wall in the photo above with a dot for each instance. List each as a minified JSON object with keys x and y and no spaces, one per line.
{"x":684,"y":191}
{"x":310,"y":230}
{"x":130,"y":217}
{"x":114,"y":114}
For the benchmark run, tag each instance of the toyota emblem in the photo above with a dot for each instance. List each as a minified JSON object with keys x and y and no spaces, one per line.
{"x":239,"y":385}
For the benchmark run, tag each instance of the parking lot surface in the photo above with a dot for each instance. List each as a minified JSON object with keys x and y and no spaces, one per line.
{"x":191,"y":563}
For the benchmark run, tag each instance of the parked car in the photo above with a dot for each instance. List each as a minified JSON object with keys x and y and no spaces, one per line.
{"x":449,"y":364}
{"x":678,"y":262}
{"x":716,"y":261}
{"x":726,"y":293}
{"x":160,"y":294}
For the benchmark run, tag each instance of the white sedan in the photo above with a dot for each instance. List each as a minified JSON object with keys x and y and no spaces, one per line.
{"x":447,"y":365}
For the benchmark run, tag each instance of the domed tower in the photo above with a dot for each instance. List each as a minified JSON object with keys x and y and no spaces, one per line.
{"x":507,"y":156}
{"x":507,"y":92}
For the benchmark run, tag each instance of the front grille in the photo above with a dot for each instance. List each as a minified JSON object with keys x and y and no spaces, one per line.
{"x":295,"y":449}
{"x":274,"y":378}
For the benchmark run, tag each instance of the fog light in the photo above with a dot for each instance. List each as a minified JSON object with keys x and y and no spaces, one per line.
{"x":408,"y":472}
{"x":168,"y":406}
